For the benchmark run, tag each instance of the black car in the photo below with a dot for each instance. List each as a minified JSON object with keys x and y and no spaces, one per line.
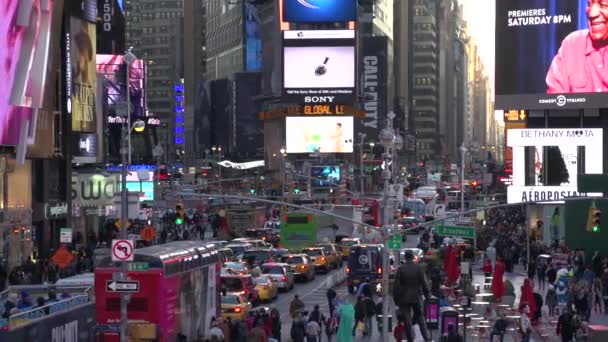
{"x":257,"y":257}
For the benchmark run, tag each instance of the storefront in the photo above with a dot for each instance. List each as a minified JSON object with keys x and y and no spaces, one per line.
{"x":546,"y":222}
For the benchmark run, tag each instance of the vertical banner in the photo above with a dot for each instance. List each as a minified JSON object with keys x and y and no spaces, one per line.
{"x":373,"y":79}
{"x":110,"y":27}
{"x":84,"y":75}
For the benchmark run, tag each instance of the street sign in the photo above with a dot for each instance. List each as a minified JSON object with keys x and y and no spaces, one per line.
{"x":62,"y":258}
{"x":395,"y":242}
{"x":65,"y":235}
{"x":457,"y":231}
{"x":148,"y":233}
{"x":122,"y":250}
{"x":118,"y":224}
{"x":139,"y":266}
{"x":439,"y":211}
{"x":131,"y":286}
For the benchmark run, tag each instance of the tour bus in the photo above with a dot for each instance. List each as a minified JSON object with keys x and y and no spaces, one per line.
{"x":178,"y":292}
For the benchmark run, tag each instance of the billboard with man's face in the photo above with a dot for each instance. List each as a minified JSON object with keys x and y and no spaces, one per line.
{"x":549,"y":54}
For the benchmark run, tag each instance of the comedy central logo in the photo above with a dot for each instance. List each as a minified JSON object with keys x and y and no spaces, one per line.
{"x":306,"y":3}
{"x":561,"y":100}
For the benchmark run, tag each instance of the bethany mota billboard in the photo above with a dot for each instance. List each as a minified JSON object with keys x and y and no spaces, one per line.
{"x":319,"y":11}
{"x":549,"y":54}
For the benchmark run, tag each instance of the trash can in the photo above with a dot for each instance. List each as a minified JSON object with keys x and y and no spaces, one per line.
{"x":448,"y":316}
{"x":431,"y":313}
{"x":390,"y":323}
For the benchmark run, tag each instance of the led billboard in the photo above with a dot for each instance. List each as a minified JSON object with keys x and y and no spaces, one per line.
{"x":324,"y":176}
{"x":319,"y":11}
{"x":324,"y":134}
{"x":24,"y":45}
{"x":546,"y":162}
{"x":549,"y":54}
{"x":113,"y":69}
{"x":319,"y":66}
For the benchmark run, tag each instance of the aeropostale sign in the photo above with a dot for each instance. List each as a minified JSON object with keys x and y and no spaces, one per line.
{"x":517,"y":194}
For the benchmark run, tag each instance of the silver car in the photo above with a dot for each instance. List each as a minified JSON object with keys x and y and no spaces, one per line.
{"x":281,"y":272}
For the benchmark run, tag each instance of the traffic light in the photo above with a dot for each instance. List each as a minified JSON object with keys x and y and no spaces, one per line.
{"x":252,"y":191}
{"x":594,"y":220}
{"x":179,"y":215}
{"x":474,"y":184}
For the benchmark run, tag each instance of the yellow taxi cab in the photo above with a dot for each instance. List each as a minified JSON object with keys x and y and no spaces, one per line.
{"x":301,"y":265}
{"x":234,"y":306}
{"x":318,"y":258}
{"x":267,"y":288}
{"x":346,"y":243}
{"x":333,"y":254}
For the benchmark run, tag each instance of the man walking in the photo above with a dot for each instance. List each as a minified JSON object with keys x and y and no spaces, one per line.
{"x":409,"y":283}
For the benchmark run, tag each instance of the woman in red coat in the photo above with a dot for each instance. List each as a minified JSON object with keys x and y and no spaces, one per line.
{"x":498,"y":286}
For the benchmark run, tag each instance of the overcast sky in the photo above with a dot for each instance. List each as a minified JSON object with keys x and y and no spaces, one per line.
{"x":480,"y":16}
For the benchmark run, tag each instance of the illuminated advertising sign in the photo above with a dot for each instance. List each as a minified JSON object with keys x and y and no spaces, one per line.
{"x":113,"y":70}
{"x":547,"y":162}
{"x":324,"y":176}
{"x":179,"y":114}
{"x":319,"y":11}
{"x":549,"y":54}
{"x":84,"y":75}
{"x":145,"y":190}
{"x":324,"y":134}
{"x":319,"y":66}
{"x":24,"y":47}
{"x":110,"y":27}
{"x":84,"y":148}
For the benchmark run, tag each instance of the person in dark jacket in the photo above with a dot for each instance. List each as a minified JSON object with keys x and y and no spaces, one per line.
{"x":360,"y":313}
{"x":275,"y":317}
{"x":409,"y":285}
{"x":565,"y":327}
{"x":298,"y":329}
{"x":331,"y":298}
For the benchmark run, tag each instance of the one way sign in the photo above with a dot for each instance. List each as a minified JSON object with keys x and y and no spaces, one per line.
{"x":131,"y":286}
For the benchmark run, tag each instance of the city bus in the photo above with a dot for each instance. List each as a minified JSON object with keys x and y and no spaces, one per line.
{"x":298,"y":231}
{"x":178,"y":295}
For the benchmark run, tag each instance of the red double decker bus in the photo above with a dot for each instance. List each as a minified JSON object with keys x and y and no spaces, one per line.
{"x":179,"y":292}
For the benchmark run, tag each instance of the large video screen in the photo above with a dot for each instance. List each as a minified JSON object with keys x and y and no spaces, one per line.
{"x":319,"y":11}
{"x":145,"y":189}
{"x":323,"y":134}
{"x":319,"y":63}
{"x":325,"y":176}
{"x":549,"y":54}
{"x":112,"y":69}
{"x":24,"y":46}
{"x":547,"y":162}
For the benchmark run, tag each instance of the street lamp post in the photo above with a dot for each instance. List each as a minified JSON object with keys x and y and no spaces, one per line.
{"x":138,"y":126}
{"x":283,"y":151}
{"x":387,"y":139}
{"x":129,"y":58}
{"x":463,"y":151}
{"x":361,"y":173}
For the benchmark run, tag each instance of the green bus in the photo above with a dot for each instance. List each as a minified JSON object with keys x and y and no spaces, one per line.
{"x":298,"y":231}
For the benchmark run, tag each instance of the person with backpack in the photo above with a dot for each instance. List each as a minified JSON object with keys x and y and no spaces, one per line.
{"x":370,"y":312}
{"x":360,"y":314}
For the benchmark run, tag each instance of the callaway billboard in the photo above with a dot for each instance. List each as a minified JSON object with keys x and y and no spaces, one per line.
{"x":319,"y":63}
{"x":546,"y":162}
{"x":319,"y":11}
{"x":549,"y":54}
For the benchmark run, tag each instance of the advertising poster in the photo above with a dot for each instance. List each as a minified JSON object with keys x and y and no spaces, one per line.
{"x":324,"y":134}
{"x":325,"y":176}
{"x":374,"y":81}
{"x":550,"y":54}
{"x":24,"y":46}
{"x":84,"y":75}
{"x":319,"y":66}
{"x":547,"y":162}
{"x":319,"y":11}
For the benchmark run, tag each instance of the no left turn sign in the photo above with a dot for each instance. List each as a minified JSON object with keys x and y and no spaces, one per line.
{"x":122,"y":250}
